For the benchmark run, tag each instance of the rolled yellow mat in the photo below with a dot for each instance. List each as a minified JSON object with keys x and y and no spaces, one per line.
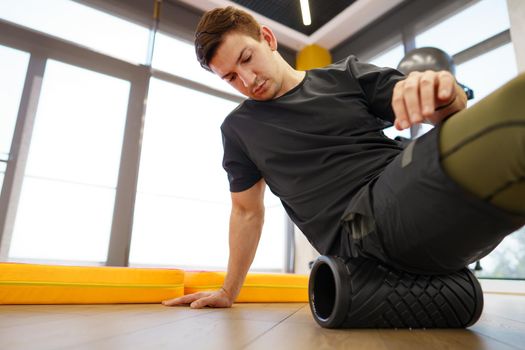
{"x":50,"y":284}
{"x":257,"y":288}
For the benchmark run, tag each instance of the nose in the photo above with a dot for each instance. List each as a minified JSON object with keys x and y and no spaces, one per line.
{"x":247,"y":77}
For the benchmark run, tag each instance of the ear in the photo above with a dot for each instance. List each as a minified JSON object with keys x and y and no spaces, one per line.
{"x":268,"y":36}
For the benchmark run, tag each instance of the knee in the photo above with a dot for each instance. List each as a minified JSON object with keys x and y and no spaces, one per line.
{"x":512,"y":95}
{"x":514,"y":98}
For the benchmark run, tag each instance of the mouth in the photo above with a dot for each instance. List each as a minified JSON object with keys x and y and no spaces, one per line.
{"x":259,"y":88}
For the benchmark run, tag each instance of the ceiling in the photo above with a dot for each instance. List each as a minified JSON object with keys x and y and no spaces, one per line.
{"x":289,"y":14}
{"x":333,"y":21}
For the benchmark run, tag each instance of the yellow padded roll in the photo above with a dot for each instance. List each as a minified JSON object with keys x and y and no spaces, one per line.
{"x":257,"y":288}
{"x":50,"y":284}
{"x":312,"y":56}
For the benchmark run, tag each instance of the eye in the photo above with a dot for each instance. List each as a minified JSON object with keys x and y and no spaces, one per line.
{"x":247,"y":59}
{"x":231,"y":78}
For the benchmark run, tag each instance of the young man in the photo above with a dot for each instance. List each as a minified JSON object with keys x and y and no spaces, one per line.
{"x":315,"y":138}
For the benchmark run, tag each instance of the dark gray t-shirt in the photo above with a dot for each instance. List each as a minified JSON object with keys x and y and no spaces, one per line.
{"x":316,"y":145}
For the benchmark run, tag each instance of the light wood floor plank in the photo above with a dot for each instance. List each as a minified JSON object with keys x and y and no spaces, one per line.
{"x":296,"y":335}
{"x":245,"y":326}
{"x":508,"y":306}
{"x":81,"y":329}
{"x":440,"y":339}
{"x":195,"y":333}
{"x":258,"y":312}
{"x":17,"y":315}
{"x":503,"y":329}
{"x":300,"y":331}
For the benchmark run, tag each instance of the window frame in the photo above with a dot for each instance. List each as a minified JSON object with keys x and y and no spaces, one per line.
{"x":408,"y":33}
{"x":42,"y":47}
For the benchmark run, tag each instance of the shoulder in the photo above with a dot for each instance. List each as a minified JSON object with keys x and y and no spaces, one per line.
{"x":335,"y":73}
{"x":341,"y":65}
{"x":228,"y":124}
{"x":348,"y":67}
{"x":363,"y":70}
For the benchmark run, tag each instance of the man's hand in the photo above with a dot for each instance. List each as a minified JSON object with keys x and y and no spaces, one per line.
{"x":246,"y":222}
{"x":199,"y":300}
{"x":426,"y":97}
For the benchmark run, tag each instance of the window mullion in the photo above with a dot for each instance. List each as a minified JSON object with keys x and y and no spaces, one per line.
{"x":12,"y":186}
{"x":483,"y":47}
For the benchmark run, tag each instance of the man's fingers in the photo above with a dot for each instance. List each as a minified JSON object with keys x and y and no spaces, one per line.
{"x":445,"y":86}
{"x":214,"y":300}
{"x":398,"y":106}
{"x":202,"y":302}
{"x":187,"y":299}
{"x":428,"y":83}
{"x":411,"y":97}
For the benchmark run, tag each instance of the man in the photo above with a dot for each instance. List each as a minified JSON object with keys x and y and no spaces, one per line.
{"x":315,"y":138}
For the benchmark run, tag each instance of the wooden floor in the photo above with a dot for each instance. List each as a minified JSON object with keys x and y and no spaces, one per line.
{"x":245,"y":326}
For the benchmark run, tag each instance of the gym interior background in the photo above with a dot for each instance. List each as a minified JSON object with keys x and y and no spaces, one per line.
{"x":110,"y":154}
{"x":101,"y":178}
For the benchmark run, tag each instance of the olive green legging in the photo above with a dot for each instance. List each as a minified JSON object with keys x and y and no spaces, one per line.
{"x":483,"y":148}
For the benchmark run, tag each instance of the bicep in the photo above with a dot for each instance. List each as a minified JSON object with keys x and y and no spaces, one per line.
{"x":242,"y":172}
{"x":377,"y":85}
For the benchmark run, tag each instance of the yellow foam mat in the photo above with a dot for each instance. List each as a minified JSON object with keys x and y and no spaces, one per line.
{"x":50,"y":284}
{"x":258,"y":288}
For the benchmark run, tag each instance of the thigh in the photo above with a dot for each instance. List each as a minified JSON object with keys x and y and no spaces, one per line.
{"x":425,"y":222}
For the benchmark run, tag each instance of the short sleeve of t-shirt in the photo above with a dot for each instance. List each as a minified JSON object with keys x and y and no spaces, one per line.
{"x":242,"y":172}
{"x":378,"y":85}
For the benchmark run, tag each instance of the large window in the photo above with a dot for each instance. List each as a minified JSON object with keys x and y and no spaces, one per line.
{"x":183,"y":200}
{"x":81,"y":24}
{"x":483,"y":72}
{"x":507,"y":260}
{"x":477,"y":37}
{"x":489,"y":71}
{"x":178,"y":57}
{"x":66,"y":203}
{"x":389,"y":58}
{"x":12,"y":72}
{"x":481,"y":21}
{"x":467,"y":28}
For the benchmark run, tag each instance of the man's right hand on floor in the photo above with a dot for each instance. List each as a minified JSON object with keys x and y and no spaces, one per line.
{"x":199,"y":300}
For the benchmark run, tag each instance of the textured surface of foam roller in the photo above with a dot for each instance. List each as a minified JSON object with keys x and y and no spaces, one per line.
{"x":368,"y":294}
{"x":406,"y":300}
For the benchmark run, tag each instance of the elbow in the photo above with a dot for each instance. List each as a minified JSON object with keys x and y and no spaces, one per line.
{"x":249,"y":215}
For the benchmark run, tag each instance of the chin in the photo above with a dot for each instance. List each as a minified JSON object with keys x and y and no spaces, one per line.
{"x":268,"y":95}
{"x":262,"y":98}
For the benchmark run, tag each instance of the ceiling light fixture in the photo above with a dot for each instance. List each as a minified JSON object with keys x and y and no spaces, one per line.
{"x":305,"y":10}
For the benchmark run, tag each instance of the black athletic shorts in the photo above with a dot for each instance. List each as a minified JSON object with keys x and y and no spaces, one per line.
{"x":416,"y":218}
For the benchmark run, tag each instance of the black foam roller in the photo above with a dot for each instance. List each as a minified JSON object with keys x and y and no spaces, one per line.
{"x":364,"y":293}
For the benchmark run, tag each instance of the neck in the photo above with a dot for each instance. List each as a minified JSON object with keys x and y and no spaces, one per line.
{"x":292,"y":78}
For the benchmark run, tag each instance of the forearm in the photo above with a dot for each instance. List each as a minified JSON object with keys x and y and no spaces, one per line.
{"x":245,"y":232}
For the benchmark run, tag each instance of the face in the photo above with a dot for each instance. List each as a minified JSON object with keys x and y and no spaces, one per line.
{"x":250,"y":66}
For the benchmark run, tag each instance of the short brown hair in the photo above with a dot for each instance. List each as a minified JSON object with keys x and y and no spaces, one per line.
{"x":215,"y":24}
